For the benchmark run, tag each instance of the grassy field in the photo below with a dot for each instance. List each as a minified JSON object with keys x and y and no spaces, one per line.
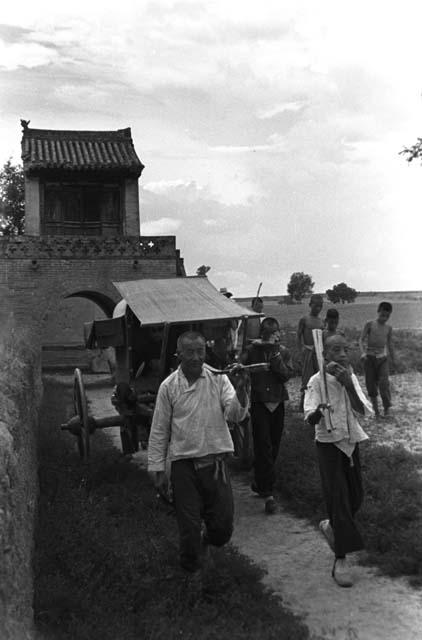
{"x":406,"y":321}
{"x":391,"y":516}
{"x":106,"y":557}
{"x":106,"y":549}
{"x":407,"y":310}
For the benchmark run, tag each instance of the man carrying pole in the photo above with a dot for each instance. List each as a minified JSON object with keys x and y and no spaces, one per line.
{"x":190,"y":427}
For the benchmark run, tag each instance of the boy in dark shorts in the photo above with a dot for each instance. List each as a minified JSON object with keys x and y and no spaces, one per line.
{"x":376,"y":344}
{"x":306,"y":342}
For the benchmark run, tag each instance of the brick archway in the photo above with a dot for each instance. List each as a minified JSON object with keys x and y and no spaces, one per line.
{"x":38,"y":274}
{"x":105,"y":303}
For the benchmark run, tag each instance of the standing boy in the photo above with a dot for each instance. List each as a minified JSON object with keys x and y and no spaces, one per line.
{"x":268,"y":395}
{"x":338,"y":451}
{"x":378,"y":336}
{"x":306,"y":342}
{"x":254,"y":323}
{"x":190,"y":426}
{"x":330,"y":324}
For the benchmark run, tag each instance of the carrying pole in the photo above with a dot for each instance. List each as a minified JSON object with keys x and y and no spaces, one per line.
{"x":319,"y":348}
{"x":163,"y":354}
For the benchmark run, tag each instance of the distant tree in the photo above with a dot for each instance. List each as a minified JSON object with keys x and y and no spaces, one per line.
{"x":341,"y":293}
{"x":415,"y":151}
{"x":12,"y":199}
{"x":300,"y":285}
{"x":202,"y":270}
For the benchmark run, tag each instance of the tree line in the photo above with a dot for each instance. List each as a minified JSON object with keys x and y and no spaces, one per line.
{"x":301,"y":285}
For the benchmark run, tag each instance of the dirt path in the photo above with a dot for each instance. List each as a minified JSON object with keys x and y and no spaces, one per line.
{"x":298,"y":565}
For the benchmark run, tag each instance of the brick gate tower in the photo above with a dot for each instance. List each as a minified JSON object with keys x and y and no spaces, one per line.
{"x":81,"y":225}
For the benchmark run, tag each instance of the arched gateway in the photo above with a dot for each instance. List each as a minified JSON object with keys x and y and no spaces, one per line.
{"x":81,"y":226}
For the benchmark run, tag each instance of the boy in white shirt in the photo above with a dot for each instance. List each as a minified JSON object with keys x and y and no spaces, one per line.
{"x":337,"y":438}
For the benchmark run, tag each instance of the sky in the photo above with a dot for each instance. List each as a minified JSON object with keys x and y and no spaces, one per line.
{"x":270,"y":131}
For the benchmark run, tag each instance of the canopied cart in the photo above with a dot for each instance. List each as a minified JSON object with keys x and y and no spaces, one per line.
{"x":143,"y":331}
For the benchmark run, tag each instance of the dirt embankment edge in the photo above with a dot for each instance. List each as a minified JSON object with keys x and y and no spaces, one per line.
{"x":20,"y":397}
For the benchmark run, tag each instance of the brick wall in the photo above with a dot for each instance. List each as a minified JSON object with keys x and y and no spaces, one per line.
{"x":36,"y":274}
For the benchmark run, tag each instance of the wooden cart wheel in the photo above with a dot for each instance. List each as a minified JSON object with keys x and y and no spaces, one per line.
{"x":81,"y":409}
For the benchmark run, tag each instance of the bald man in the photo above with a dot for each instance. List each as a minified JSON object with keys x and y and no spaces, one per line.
{"x":189,"y":427}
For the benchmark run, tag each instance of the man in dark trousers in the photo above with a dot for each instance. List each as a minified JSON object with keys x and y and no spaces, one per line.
{"x":190,"y":428}
{"x":268,"y":395}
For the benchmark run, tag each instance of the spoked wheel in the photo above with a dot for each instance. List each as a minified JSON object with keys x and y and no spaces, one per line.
{"x":81,"y":410}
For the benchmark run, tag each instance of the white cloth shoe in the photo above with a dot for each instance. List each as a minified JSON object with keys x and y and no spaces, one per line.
{"x":341,"y":573}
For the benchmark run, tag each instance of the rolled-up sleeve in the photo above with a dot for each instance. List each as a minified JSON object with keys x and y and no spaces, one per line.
{"x":312,"y":397}
{"x":368,"y":410}
{"x":281,"y":365}
{"x":160,"y":431}
{"x":233,"y":410}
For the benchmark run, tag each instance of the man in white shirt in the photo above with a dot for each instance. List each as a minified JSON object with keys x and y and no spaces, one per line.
{"x":190,"y":428}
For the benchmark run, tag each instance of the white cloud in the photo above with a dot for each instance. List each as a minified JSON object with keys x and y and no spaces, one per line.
{"x":238,"y":149}
{"x":360,"y":273}
{"x":74,"y":95}
{"x":29,"y":55}
{"x":171,"y":186}
{"x":232,"y":275}
{"x":161,"y":227}
{"x":270,"y":112}
{"x":270,"y":138}
{"x":276,"y":144}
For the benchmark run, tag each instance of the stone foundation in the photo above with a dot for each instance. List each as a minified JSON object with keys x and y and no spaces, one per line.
{"x":20,"y":397}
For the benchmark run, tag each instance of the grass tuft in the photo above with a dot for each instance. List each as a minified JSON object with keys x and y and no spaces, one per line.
{"x":391,"y":516}
{"x":106,"y":560}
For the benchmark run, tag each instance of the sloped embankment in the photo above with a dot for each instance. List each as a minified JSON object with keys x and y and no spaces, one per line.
{"x":20,"y":395}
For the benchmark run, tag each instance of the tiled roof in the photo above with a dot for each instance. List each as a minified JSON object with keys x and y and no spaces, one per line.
{"x":79,"y":150}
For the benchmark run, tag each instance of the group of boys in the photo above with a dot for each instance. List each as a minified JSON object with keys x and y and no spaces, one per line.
{"x":195,"y":404}
{"x":375,"y":342}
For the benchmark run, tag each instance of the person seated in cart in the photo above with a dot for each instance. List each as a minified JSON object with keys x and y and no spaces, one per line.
{"x":146,"y":351}
{"x":189,"y":427}
{"x":218,"y":355}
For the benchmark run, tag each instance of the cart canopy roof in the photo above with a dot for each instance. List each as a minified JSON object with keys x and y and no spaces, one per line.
{"x":177,"y":300}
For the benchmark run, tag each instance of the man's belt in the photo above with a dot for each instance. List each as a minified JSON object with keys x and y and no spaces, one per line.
{"x":216,"y":460}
